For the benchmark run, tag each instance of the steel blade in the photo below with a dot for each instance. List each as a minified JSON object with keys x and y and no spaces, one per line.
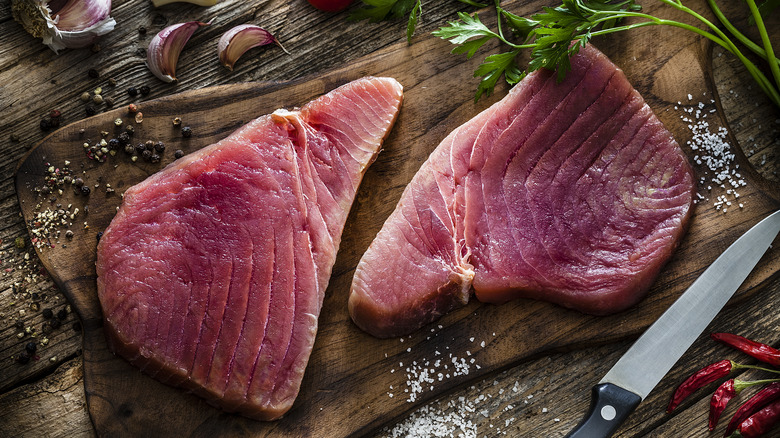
{"x":659,"y":348}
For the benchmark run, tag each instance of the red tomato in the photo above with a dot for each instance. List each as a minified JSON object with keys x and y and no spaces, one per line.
{"x":330,"y":5}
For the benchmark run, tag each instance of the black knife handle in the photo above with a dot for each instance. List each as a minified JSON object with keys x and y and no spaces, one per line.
{"x":610,"y":405}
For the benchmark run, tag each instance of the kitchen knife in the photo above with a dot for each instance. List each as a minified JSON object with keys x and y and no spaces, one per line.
{"x":658,"y":349}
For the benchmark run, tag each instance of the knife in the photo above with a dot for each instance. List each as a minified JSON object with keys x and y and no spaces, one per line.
{"x":647,"y":361}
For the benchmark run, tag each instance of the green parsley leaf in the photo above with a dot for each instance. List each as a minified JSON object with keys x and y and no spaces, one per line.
{"x":461,"y":33}
{"x":491,"y":70}
{"x":414,"y":16}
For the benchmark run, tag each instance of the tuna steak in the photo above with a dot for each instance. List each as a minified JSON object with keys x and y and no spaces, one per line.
{"x":212,"y":274}
{"x":569,"y":192}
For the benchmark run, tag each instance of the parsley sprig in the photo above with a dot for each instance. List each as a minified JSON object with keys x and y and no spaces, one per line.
{"x":555,"y":34}
{"x":380,"y":10}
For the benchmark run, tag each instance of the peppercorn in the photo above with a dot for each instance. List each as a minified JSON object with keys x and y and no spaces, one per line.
{"x":159,"y":147}
{"x":90,"y":110}
{"x":78,"y":182}
{"x":124,"y":138}
{"x":48,"y":313}
{"x":55,"y":324}
{"x":109,"y":102}
{"x":149,"y":144}
{"x":145,"y":90}
{"x":113,"y":144}
{"x":62,"y":314}
{"x":98,"y":99}
{"x":147,"y":154}
{"x":55,"y":114}
{"x":85,"y":190}
{"x":93,"y":73}
{"x":95,"y":48}
{"x":35,"y":296}
{"x":141,"y":30}
{"x":139,"y":148}
{"x":139,"y":117}
{"x":31,"y":347}
{"x":177,"y":122}
{"x":35,"y":307}
{"x":20,"y":242}
{"x":186,"y":132}
{"x":55,"y":123}
{"x":85,"y":96}
{"x":132,"y":108}
{"x":23,"y":358}
{"x":155,"y":158}
{"x":14,"y":138}
{"x":179,"y":153}
{"x":129,"y":129}
{"x":132,"y":91}
{"x":112,"y":82}
{"x":129,"y":149}
{"x":45,"y":190}
{"x":45,"y":124}
{"x":99,"y":235}
{"x":69,"y":234}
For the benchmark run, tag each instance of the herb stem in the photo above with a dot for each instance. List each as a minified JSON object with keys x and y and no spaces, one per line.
{"x":755,"y":48}
{"x":773,"y":67}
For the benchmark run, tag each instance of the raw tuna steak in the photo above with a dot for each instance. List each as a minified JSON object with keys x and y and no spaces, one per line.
{"x":212,"y":274}
{"x":568,"y":192}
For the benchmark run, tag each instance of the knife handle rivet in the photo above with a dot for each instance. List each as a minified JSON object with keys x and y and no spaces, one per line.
{"x":608,"y":412}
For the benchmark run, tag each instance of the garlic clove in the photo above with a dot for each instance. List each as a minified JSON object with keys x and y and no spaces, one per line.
{"x":164,"y":49}
{"x":76,"y":24}
{"x":239,"y":39}
{"x":158,"y":3}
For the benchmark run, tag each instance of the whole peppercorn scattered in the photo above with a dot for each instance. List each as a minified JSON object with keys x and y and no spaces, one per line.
{"x":45,"y":124}
{"x":31,"y":347}
{"x":55,"y":324}
{"x":141,"y":30}
{"x":179,"y":153}
{"x":149,"y":145}
{"x":98,"y":90}
{"x":124,"y":138}
{"x":69,"y":234}
{"x":186,"y":132}
{"x":112,"y":82}
{"x":76,"y":326}
{"x":139,"y":148}
{"x":98,"y":99}
{"x":45,"y":190}
{"x":159,"y":147}
{"x":129,"y":129}
{"x":145,"y":90}
{"x":113,"y":144}
{"x":85,"y":96}
{"x":147,"y":154}
{"x":85,"y":190}
{"x":132,"y":91}
{"x":23,"y":358}
{"x":90,"y":110}
{"x":19,"y":325}
{"x":99,"y":235}
{"x":118,"y":122}
{"x":129,"y":149}
{"x":35,"y":307}
{"x":55,"y":114}
{"x":155,"y":158}
{"x":62,"y":314}
{"x":93,"y":73}
{"x":109,"y":102}
{"x":132,"y":108}
{"x":177,"y":122}
{"x":78,"y":182}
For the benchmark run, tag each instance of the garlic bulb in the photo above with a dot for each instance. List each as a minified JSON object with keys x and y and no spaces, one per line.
{"x":164,"y":49}
{"x":78,"y":23}
{"x":239,"y":39}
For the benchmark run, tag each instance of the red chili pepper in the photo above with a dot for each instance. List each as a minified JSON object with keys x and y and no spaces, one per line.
{"x":760,"y":351}
{"x":700,"y":378}
{"x":760,"y":422}
{"x":719,"y":400}
{"x":762,"y":398}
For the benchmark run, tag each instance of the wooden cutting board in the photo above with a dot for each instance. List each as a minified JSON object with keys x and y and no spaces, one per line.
{"x":350,"y":376}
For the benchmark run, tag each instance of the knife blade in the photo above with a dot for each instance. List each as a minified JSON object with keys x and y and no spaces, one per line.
{"x":652,"y":355}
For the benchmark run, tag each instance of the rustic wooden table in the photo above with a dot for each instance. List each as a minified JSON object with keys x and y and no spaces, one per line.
{"x":544,"y":396}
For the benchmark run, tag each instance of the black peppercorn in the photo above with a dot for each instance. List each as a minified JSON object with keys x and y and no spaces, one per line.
{"x":140,"y":148}
{"x":31,"y":347}
{"x":179,"y":153}
{"x":132,"y":91}
{"x":62,"y":314}
{"x":93,"y":73}
{"x":55,"y":324}
{"x":99,"y":235}
{"x":78,"y":182}
{"x":113,"y":143}
{"x":146,"y":154}
{"x":149,"y":145}
{"x":90,"y":110}
{"x":112,"y":82}
{"x":55,"y":122}
{"x":130,"y":130}
{"x":129,"y":149}
{"x":45,"y":190}
{"x":124,"y":138}
{"x":19,"y":325}
{"x":76,"y":326}
{"x":109,"y":102}
{"x":85,"y":190}
{"x":48,"y":313}
{"x":155,"y":158}
{"x":186,"y":132}
{"x":45,"y":124}
{"x":142,"y":30}
{"x":145,"y":90}
{"x":159,"y":147}
{"x":23,"y":358}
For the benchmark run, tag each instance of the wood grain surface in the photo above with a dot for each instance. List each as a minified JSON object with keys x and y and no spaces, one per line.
{"x":349,"y":375}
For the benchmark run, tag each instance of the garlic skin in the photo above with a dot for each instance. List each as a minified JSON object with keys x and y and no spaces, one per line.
{"x":164,"y":49}
{"x":239,"y":39}
{"x":158,"y":3}
{"x":79,"y":23}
